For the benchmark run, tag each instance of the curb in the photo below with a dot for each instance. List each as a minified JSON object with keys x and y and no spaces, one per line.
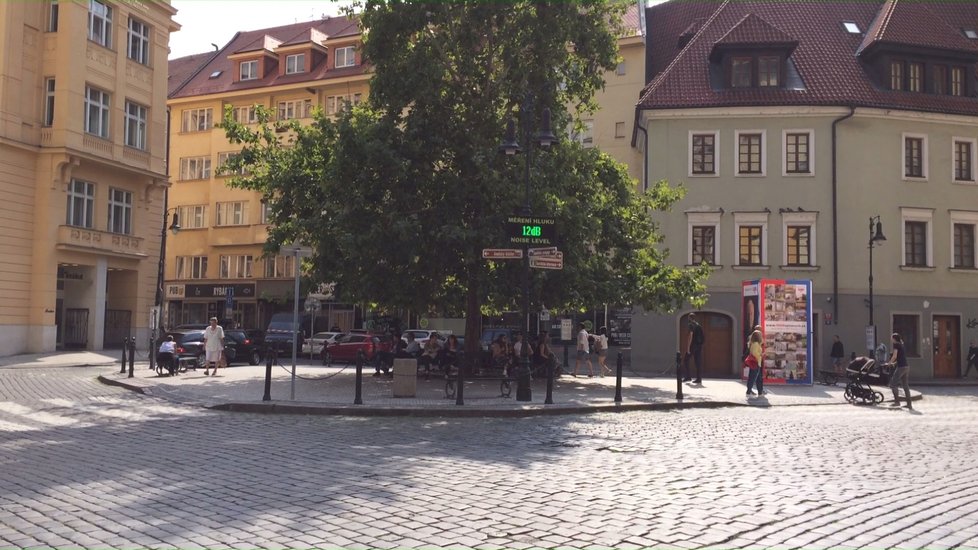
{"x":121,"y":384}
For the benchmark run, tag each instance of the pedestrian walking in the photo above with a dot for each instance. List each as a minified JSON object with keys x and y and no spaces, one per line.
{"x":755,"y":372}
{"x":694,"y":349}
{"x":583,"y":353}
{"x":972,"y":358}
{"x":601,"y":348}
{"x":213,"y":346}
{"x":901,"y":371}
{"x":838,"y":354}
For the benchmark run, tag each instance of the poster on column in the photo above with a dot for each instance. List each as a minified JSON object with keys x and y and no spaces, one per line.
{"x":783,"y":309}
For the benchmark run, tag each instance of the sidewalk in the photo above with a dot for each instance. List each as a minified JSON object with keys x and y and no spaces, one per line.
{"x":331,"y":390}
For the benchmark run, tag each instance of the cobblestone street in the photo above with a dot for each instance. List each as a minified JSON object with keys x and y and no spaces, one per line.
{"x":87,"y":465}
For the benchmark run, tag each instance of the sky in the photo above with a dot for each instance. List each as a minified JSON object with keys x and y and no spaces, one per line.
{"x":204,"y":22}
{"x":215,"y":21}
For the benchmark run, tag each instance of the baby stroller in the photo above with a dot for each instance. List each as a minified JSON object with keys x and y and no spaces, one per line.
{"x":862,"y":373}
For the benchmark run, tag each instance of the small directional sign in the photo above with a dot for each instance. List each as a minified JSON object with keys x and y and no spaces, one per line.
{"x":543,"y":262}
{"x":548,"y":251}
{"x":502,"y":253}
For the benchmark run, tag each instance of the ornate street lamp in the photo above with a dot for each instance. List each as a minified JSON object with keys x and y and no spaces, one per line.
{"x":158,"y":302}
{"x":875,"y":236}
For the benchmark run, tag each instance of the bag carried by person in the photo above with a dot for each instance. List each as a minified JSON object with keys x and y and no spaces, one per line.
{"x":223,"y":361}
{"x":750,"y":362}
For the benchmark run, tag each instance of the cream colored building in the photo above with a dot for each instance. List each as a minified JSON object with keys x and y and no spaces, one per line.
{"x":82,"y":170}
{"x":219,"y":250}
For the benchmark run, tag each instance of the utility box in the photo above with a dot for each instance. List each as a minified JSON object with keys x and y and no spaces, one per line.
{"x":405,"y":377}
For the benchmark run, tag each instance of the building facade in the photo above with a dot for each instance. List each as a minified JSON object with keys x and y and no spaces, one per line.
{"x":216,"y":265}
{"x":790,"y":126}
{"x":82,"y":170}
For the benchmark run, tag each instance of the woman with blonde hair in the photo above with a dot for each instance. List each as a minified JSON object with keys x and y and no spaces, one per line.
{"x":753,"y":362}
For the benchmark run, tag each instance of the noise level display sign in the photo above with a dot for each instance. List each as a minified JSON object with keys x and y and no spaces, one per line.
{"x":531,"y":230}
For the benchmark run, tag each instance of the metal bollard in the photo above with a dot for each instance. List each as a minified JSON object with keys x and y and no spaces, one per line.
{"x":125,"y":347}
{"x":566,"y":359}
{"x":132,"y":356}
{"x":679,"y":377}
{"x":618,"y":380}
{"x":269,"y":361}
{"x":358,"y":399}
{"x":460,"y":384}
{"x":550,"y":382}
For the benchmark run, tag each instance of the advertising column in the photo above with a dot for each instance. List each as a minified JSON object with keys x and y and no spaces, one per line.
{"x":785,"y":316}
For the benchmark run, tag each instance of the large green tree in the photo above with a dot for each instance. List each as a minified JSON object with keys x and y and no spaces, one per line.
{"x":398,"y":196}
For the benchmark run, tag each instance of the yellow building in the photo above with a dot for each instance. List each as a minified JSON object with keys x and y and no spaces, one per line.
{"x":82,"y":170}
{"x":288,"y":69}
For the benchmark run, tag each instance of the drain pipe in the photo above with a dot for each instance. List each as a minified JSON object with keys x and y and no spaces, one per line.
{"x":835,"y":217}
{"x":645,"y":153}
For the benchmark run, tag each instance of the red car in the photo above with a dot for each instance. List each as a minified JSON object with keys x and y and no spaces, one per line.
{"x":345,"y":350}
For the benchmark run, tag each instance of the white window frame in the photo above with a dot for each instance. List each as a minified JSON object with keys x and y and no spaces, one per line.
{"x":802,"y":219}
{"x":197,"y":120}
{"x":222,"y":158}
{"x":83,"y":191}
{"x":53,"y":10}
{"x":736,"y":154}
{"x":120,"y":211}
{"x":294,"y":108}
{"x":192,"y":216}
{"x":97,"y":102}
{"x":231,"y":213}
{"x":703,"y":219}
{"x":619,"y":130}
{"x":135,"y":129}
{"x":963,"y":217}
{"x":295,"y":63}
{"x":265,"y":214}
{"x":137,"y":47}
{"x":974,"y":159}
{"x":279,"y":267}
{"x":191,"y":267}
{"x":348,"y":55}
{"x":195,"y":168}
{"x":716,"y":154}
{"x":244,"y":114}
{"x":811,"y":152}
{"x":585,"y":136}
{"x":236,"y":266}
{"x":50,"y":85}
{"x":917,"y":215}
{"x":100,"y":23}
{"x":751,"y":218}
{"x":248,"y":70}
{"x":925,"y":160}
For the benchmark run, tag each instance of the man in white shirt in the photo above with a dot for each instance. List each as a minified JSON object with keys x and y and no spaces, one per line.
{"x":213,"y":345}
{"x":583,"y":351}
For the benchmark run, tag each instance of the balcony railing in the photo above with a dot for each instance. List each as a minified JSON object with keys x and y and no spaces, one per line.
{"x":101,"y":242}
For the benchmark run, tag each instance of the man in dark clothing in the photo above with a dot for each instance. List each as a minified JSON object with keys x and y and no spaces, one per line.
{"x":694,"y":349}
{"x":838,"y":354}
{"x":972,"y":358}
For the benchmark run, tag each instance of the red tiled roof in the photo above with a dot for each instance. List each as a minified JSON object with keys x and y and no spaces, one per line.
{"x":630,"y":20}
{"x":203,"y":84}
{"x":825,"y":58}
{"x":665,"y":23}
{"x":915,"y":24}
{"x":754,"y":30}
{"x":182,"y":68}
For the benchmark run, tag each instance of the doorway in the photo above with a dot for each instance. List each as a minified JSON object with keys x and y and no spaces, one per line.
{"x":946,"y":346}
{"x":76,"y":328}
{"x":718,"y":360}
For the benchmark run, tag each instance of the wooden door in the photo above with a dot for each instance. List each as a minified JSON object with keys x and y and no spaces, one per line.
{"x":946,"y":346}
{"x":718,"y":353}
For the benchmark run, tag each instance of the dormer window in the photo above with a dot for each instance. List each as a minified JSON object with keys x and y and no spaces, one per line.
{"x":906,"y":75}
{"x":915,"y":76}
{"x":768,"y":70}
{"x":295,"y":63}
{"x":896,"y":75}
{"x":249,"y":70}
{"x":740,"y":72}
{"x":957,"y":81}
{"x":345,"y":57}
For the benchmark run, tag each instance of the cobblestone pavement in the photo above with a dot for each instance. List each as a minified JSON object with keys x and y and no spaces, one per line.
{"x":87,"y":465}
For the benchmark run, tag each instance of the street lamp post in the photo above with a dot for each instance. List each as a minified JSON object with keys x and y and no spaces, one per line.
{"x":544,"y":139}
{"x":875,"y":236}
{"x":158,"y":301}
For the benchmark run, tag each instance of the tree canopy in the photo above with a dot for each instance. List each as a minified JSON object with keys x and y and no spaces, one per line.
{"x":399,"y":195}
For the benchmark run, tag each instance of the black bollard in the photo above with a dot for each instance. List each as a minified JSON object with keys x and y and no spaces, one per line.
{"x":566,"y":360}
{"x":460,"y":383}
{"x":618,"y":380}
{"x":125,"y":347}
{"x":679,"y":377}
{"x":269,"y":361}
{"x":550,"y":382}
{"x":132,"y":356}
{"x":358,"y":399}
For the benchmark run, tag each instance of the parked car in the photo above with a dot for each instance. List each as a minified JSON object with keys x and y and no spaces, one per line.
{"x":345,"y":350}
{"x":282,"y":331}
{"x":489,"y":335}
{"x":238,"y":347}
{"x":316,"y":342}
{"x":422,"y":335}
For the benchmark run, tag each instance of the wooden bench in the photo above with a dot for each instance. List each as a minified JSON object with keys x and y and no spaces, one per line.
{"x":828,"y":377}
{"x":505,"y":381}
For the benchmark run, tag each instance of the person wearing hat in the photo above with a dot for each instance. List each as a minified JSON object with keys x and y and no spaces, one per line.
{"x":694,"y":349}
